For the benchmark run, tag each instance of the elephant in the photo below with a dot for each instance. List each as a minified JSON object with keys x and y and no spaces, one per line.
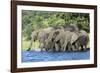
{"x":75,"y":40}
{"x":50,"y":43}
{"x":62,"y":40}
{"x":70,"y":41}
{"x":79,"y":41}
{"x":40,"y":35}
{"x":34,"y":35}
{"x":82,"y":40}
{"x":68,"y":37}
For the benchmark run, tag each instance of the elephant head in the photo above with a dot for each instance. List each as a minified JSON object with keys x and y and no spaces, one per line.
{"x":41,"y":35}
{"x":50,"y":43}
{"x":62,"y":40}
{"x":34,"y":36}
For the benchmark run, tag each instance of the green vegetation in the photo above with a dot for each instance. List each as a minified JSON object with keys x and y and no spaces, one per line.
{"x":34,"y":20}
{"x":25,"y":44}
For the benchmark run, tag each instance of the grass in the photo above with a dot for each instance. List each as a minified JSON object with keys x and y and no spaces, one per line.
{"x":26,"y":44}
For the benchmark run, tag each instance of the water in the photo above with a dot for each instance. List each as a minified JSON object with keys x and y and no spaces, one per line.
{"x":35,"y":56}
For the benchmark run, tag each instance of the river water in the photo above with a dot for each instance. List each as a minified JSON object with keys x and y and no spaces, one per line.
{"x":36,"y":56}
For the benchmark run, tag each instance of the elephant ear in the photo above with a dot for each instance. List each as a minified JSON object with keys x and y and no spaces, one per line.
{"x":74,"y":37}
{"x":59,"y":35}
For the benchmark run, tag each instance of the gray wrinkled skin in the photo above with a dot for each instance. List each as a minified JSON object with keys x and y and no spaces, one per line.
{"x":40,"y":35}
{"x":60,"y":39}
{"x":83,"y":40}
{"x":50,"y":43}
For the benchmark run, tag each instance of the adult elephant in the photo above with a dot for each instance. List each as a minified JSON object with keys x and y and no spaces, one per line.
{"x":68,"y":41}
{"x":79,"y":40}
{"x":74,"y":41}
{"x":62,"y":40}
{"x":59,"y":39}
{"x":34,"y":35}
{"x":50,"y":43}
{"x":82,"y":40}
{"x":40,"y":35}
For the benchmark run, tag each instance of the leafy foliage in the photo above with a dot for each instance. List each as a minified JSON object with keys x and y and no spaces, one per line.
{"x":34,"y":20}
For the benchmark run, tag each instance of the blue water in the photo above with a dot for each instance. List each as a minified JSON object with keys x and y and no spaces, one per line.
{"x":33,"y":56}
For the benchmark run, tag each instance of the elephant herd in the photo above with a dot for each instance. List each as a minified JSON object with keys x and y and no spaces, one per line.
{"x":60,"y":39}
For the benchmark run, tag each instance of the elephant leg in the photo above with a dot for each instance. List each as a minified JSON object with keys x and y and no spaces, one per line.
{"x":30,"y":45}
{"x":64,"y":47}
{"x":74,"y":47}
{"x":41,"y":46}
{"x":56,"y":47}
{"x":84,"y":47}
{"x":77,"y":46}
{"x":69,"y":47}
{"x":80,"y":48}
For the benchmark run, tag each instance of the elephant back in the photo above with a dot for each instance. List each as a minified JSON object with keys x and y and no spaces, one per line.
{"x":72,"y":28}
{"x":83,"y":33}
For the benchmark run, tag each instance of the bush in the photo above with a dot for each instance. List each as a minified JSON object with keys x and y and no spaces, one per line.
{"x":34,"y":20}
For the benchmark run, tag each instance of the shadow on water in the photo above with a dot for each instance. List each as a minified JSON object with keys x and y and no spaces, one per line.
{"x":38,"y":56}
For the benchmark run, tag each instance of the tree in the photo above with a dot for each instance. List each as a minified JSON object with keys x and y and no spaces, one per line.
{"x":34,"y":20}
